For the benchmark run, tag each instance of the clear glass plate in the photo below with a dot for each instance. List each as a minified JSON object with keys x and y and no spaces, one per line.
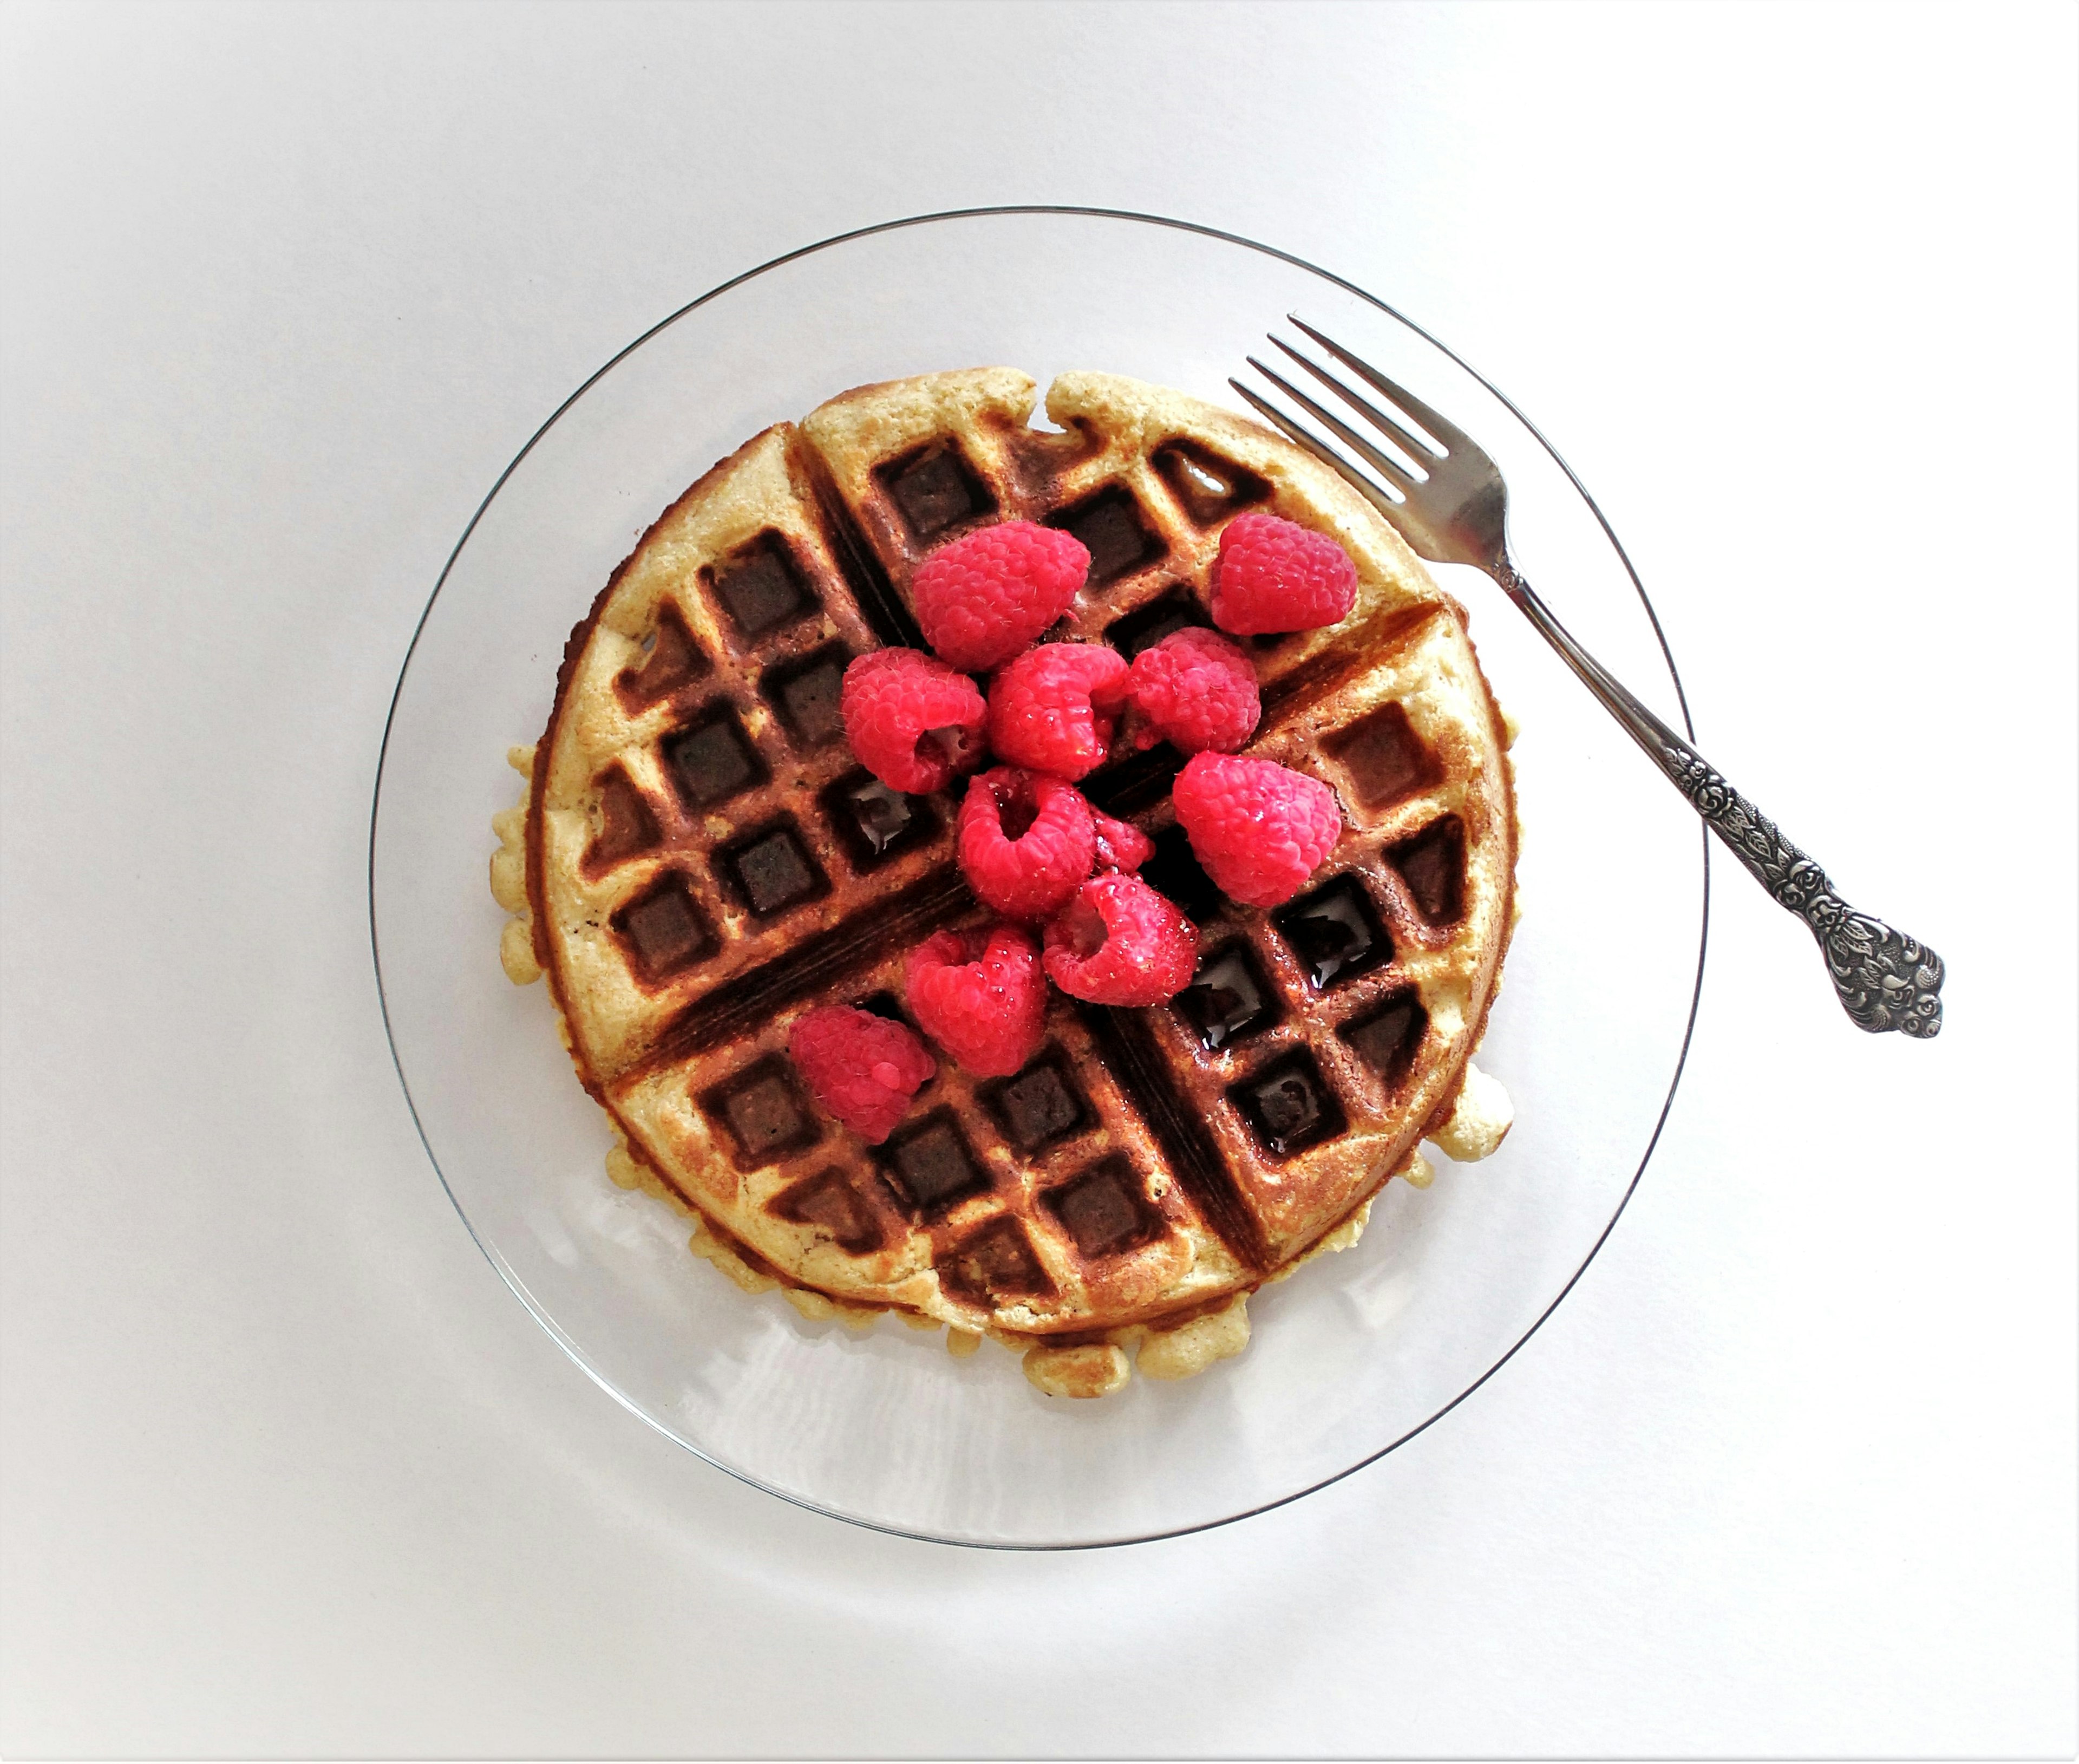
{"x":1359,"y":1350}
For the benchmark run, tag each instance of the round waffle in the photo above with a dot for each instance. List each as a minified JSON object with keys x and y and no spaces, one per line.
{"x":699,"y":860}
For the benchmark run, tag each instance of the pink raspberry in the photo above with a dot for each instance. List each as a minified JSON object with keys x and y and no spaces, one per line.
{"x":984,"y":1002}
{"x":983,"y":598}
{"x":1119,"y":942}
{"x":863,"y":1068}
{"x":1272,"y":575}
{"x":1259,"y":829}
{"x":1054,"y":708}
{"x":1026,"y":841}
{"x":1121,"y":845}
{"x":1197,"y":691}
{"x":911,"y":720}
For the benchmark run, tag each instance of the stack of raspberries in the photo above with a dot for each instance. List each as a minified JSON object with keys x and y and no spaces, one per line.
{"x":1061,"y":875}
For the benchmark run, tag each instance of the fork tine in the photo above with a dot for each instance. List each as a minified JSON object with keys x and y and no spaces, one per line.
{"x":1390,"y":470}
{"x":1417,"y":450}
{"x":1322,"y":451}
{"x":1448,"y":433}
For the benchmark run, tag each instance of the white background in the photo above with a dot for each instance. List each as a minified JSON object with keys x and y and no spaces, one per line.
{"x":286,"y":1468}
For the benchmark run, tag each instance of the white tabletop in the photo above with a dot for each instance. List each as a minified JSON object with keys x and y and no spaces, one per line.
{"x":285,"y":1469}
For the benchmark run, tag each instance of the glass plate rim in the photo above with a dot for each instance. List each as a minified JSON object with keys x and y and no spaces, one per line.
{"x":549,"y":1324}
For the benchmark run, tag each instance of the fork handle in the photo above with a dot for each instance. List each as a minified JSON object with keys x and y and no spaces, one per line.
{"x":1885,"y":980}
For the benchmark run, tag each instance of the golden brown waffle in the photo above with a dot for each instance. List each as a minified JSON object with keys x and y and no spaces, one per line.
{"x":701,"y":861}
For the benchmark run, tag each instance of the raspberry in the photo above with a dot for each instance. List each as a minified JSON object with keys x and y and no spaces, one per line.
{"x":1121,"y":845}
{"x":1197,"y":691}
{"x":1119,"y":942}
{"x":1271,"y":576}
{"x":982,"y":599}
{"x":984,"y":1004}
{"x":863,"y":1068}
{"x":1259,"y":829}
{"x":1026,"y":841}
{"x":911,"y":720}
{"x":1053,"y":709}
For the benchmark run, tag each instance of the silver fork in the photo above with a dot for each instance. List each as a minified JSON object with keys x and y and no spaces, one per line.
{"x":1457,"y":511}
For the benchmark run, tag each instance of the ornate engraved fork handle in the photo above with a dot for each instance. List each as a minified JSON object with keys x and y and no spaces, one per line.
{"x":1885,"y":980}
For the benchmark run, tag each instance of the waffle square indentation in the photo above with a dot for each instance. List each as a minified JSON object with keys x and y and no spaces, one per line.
{"x":1174,"y":870}
{"x":761,"y":587}
{"x":1040,"y":1106}
{"x":1432,"y":864}
{"x":994,"y":1264}
{"x":1386,"y":1038}
{"x":1106,"y":1210}
{"x":1227,"y":999}
{"x":1208,"y":487}
{"x":877,"y":824}
{"x":627,"y":825}
{"x":664,"y":929}
{"x":1114,"y":531}
{"x":930,"y":1166}
{"x":770,"y":869}
{"x":765,"y":1116}
{"x":934,"y":488}
{"x":671,"y":658}
{"x":828,"y":1201}
{"x":886,"y":1004}
{"x":1146,"y":626}
{"x":1386,"y":760}
{"x":1335,"y":933}
{"x":712,"y":759}
{"x":806,"y":695}
{"x":1289,"y":1106}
